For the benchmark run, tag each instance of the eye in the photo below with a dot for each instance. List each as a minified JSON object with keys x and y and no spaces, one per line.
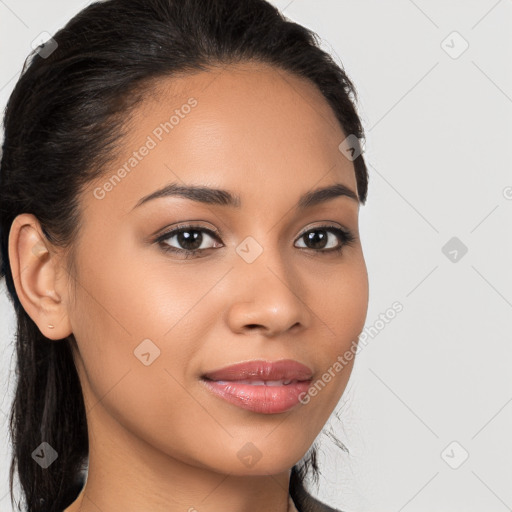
{"x":318,"y":239}
{"x":190,"y":240}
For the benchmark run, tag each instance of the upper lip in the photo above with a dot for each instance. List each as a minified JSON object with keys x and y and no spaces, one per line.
{"x":285,"y":369}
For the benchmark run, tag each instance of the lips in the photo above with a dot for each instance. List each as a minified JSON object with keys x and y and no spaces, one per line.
{"x":284,"y":370}
{"x":261,"y":386}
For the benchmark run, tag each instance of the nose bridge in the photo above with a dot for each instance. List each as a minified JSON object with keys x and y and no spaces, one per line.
{"x":269,"y":288}
{"x":265,"y":260}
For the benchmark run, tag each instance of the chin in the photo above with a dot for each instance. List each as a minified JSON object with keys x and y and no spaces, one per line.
{"x":260,"y":458}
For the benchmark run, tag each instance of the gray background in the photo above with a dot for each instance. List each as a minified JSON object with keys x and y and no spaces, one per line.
{"x":432,"y":386}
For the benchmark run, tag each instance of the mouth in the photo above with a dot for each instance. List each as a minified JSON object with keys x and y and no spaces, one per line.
{"x":258,"y":382}
{"x":265,"y":371}
{"x":261,"y":386}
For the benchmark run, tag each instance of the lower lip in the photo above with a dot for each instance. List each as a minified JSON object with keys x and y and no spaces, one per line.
{"x":259,"y":398}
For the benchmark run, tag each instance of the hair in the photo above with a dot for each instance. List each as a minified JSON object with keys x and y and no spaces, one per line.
{"x":61,"y":125}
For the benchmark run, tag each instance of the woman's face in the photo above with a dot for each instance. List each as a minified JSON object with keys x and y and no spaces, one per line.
{"x":266,"y":283}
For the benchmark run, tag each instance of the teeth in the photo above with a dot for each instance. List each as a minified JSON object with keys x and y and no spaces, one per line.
{"x":265,"y":382}
{"x":274,"y":383}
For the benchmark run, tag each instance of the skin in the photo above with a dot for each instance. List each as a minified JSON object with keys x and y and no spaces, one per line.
{"x":159,"y":440}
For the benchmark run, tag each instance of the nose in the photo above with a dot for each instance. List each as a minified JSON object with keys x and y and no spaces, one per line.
{"x":267,"y":297}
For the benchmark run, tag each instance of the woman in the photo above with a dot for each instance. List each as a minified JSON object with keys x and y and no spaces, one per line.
{"x":180,"y":189}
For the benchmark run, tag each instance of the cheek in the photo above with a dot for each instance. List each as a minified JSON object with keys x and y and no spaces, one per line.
{"x":121,"y":311}
{"x":133,"y":293}
{"x":340,"y":303}
{"x":340,"y":307}
{"x":131,"y":311}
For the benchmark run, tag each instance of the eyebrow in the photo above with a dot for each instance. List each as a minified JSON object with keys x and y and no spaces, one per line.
{"x":221,"y":197}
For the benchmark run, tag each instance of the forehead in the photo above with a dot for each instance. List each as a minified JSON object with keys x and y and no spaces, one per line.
{"x":245,"y":127}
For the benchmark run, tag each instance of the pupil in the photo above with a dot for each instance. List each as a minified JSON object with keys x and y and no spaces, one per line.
{"x":184,"y":238}
{"x":317,"y":237}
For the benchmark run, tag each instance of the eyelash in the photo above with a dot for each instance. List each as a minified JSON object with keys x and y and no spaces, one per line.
{"x":346,"y":237}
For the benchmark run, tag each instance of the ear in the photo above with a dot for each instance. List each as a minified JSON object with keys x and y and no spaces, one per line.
{"x":39,"y":278}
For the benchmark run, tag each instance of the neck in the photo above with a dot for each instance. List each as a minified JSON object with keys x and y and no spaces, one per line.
{"x":127,"y":474}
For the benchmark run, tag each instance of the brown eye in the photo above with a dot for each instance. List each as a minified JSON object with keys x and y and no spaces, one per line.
{"x":188,"y":240}
{"x":323,"y":238}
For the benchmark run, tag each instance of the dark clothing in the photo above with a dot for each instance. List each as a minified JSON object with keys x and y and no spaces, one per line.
{"x":305,"y":502}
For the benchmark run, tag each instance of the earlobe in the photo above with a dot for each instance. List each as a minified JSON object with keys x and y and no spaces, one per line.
{"x":38,"y":277}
